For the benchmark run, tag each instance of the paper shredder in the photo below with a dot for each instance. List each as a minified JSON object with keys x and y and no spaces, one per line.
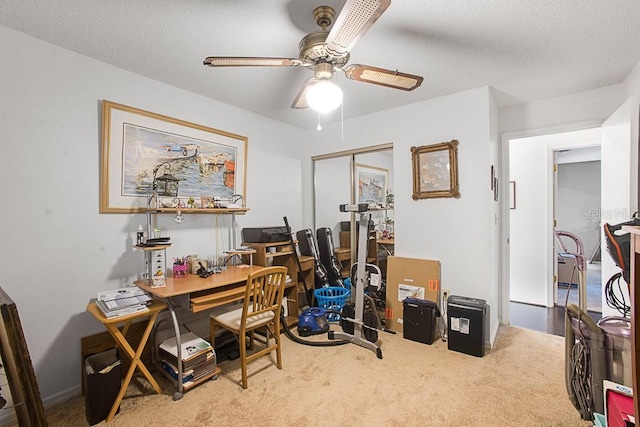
{"x":466,"y":319}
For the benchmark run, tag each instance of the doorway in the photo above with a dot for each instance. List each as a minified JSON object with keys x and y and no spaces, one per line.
{"x":577,"y":207}
{"x":619,"y":199}
{"x":532,"y":258}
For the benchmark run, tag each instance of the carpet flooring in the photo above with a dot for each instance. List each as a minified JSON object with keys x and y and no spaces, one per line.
{"x":520,"y":381}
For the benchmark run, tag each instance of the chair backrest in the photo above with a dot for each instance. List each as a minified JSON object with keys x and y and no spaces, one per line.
{"x":265,"y":289}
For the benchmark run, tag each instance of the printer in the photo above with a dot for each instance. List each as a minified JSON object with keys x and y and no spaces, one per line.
{"x":265,"y":234}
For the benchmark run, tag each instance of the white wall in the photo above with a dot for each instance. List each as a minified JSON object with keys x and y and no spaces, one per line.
{"x":588,"y":107}
{"x":619,"y":178}
{"x":531,"y":167}
{"x":333,"y":188}
{"x":454,"y":231}
{"x":495,"y":216}
{"x":59,"y":251}
{"x":571,"y":112}
{"x":631,"y":84}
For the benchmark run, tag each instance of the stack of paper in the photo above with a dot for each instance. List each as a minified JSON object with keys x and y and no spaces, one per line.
{"x":123,"y":301}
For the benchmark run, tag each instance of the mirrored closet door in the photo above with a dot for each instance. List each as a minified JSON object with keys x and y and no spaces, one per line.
{"x":357,"y":176}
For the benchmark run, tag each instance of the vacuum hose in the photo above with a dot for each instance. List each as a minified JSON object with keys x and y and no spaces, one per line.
{"x":294,"y":338}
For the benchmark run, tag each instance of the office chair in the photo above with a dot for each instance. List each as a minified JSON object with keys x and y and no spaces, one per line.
{"x":261,"y":308}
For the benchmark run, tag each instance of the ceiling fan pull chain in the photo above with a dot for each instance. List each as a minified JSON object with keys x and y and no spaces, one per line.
{"x":342,"y":122}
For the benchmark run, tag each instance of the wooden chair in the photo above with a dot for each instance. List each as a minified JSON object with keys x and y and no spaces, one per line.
{"x":261,"y":308}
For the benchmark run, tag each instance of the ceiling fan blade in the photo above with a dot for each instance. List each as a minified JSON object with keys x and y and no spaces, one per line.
{"x":382,"y":77}
{"x":356,"y":17}
{"x":250,"y":61}
{"x":301,"y":98}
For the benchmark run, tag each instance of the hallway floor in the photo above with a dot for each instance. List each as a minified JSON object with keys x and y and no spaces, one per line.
{"x":594,"y":289}
{"x":543,"y":319}
{"x":551,"y":320}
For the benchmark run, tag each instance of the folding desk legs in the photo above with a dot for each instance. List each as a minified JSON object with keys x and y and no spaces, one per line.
{"x":135,"y":359}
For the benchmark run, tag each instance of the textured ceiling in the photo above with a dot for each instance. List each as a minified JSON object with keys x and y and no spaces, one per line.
{"x":524,"y":49}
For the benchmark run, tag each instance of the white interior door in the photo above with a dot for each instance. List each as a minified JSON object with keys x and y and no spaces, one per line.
{"x":619,"y":178}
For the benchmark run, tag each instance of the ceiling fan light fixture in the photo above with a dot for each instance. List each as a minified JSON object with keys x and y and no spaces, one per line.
{"x":324,"y":96}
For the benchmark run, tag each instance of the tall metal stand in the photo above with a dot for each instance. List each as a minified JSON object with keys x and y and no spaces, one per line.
{"x":358,"y":337}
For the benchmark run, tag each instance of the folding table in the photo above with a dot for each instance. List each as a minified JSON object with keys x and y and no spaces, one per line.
{"x":120,"y":336}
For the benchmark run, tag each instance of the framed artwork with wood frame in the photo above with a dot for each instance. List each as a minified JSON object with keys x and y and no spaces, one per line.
{"x":371,"y":184}
{"x":435,"y":170}
{"x":135,"y":142}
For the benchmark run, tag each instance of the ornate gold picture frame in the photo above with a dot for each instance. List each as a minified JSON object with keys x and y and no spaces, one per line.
{"x":435,"y":170}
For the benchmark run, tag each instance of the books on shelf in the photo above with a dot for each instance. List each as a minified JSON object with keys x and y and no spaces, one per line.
{"x":195,"y":373}
{"x":198,"y":358}
{"x":194,"y":350}
{"x":187,"y":377}
{"x":123,"y":301}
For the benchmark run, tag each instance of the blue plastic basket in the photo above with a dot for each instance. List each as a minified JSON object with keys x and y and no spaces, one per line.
{"x":332,"y":298}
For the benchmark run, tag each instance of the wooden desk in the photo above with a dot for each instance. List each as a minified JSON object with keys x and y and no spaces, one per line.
{"x":120,"y":336}
{"x":217,"y":289}
{"x":213,"y":291}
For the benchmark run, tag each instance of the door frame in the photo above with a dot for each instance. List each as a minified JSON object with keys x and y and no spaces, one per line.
{"x":504,"y":288}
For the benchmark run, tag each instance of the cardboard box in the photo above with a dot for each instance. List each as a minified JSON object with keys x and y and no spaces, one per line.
{"x":409,"y":277}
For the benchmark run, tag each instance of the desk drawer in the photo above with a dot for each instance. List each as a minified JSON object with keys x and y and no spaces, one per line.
{"x":208,"y":299}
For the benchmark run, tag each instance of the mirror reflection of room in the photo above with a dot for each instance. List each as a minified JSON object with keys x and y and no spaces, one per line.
{"x":374,"y":186}
{"x":362,"y":177}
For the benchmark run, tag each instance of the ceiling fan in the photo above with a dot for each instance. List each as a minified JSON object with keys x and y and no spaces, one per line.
{"x":326,"y":51}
